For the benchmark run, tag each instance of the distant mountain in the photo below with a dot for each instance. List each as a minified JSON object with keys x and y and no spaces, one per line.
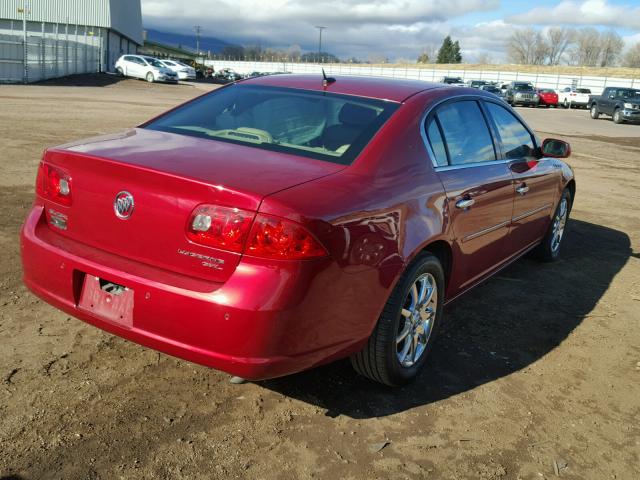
{"x":188,"y":42}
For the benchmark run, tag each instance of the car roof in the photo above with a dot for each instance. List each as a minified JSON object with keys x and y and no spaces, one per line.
{"x":381,"y":88}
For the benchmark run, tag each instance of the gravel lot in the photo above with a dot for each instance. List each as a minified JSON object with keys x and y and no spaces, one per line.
{"x":536,"y":376}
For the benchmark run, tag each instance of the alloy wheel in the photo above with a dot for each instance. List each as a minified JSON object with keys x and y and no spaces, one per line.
{"x":417,"y":318}
{"x":559,"y":223}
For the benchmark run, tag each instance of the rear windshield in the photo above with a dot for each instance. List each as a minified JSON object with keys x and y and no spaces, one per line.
{"x":319,"y":125}
{"x":583,"y":90}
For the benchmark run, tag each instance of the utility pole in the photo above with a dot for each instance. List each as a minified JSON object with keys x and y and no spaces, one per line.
{"x":320,"y":29}
{"x":198,"y":29}
{"x":25,"y":46}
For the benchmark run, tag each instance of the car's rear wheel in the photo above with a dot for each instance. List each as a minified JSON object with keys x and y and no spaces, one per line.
{"x":401,"y":340}
{"x":617,"y":116}
{"x":149,"y":77}
{"x":549,"y":249}
{"x":595,"y":114}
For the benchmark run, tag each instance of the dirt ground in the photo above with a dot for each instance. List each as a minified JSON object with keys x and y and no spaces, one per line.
{"x":536,"y":376}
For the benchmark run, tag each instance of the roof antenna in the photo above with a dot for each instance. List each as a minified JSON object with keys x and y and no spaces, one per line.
{"x":326,"y":80}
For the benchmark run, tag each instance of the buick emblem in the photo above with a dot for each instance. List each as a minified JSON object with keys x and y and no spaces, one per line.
{"x":123,"y":205}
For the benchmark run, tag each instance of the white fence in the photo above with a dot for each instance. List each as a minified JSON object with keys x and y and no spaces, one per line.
{"x":541,"y":80}
{"x":48,"y":55}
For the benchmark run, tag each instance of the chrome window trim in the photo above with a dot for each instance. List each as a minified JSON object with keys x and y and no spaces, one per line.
{"x":478,"y":98}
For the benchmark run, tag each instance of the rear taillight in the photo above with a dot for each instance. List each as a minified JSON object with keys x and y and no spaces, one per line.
{"x":274,"y":237}
{"x":269,"y":236}
{"x":54,"y":184}
{"x":220,"y":227}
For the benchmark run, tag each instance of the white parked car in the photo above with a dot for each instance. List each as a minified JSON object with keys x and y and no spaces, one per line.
{"x":185,"y":72}
{"x":148,"y":68}
{"x":570,"y":97}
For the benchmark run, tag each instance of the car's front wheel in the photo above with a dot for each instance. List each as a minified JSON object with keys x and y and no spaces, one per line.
{"x":120,"y":72}
{"x":617,"y":116}
{"x":150,"y":78}
{"x":566,"y":104}
{"x":549,"y":249}
{"x":406,"y":330}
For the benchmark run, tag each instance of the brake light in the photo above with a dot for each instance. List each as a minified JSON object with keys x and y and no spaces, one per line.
{"x":269,"y":237}
{"x":54,"y":184}
{"x":220,"y":227}
{"x":278,"y":238}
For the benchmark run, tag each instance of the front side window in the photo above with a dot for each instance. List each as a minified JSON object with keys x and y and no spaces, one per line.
{"x":516,"y":139}
{"x":315,"y":124}
{"x":466,"y":133}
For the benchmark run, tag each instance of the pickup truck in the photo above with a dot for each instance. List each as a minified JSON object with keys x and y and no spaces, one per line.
{"x":621,"y":103}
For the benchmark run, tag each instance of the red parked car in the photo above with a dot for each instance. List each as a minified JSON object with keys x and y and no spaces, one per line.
{"x":284,"y":221}
{"x":548,"y":97}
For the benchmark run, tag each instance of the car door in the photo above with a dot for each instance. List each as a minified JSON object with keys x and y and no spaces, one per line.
{"x":478,"y":187}
{"x":536,"y":180}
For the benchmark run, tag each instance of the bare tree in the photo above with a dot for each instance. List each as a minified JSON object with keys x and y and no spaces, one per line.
{"x":527,"y":46}
{"x":588,"y":47}
{"x":558,"y":39}
{"x":632,"y":57}
{"x":484,"y":59}
{"x":611,"y":45}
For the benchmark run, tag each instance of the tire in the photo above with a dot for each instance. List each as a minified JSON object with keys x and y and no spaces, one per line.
{"x":565,"y":104}
{"x":150,"y":78}
{"x":595,"y":114}
{"x":119,"y":72}
{"x":380,"y":360}
{"x":617,"y":116}
{"x":549,"y":248}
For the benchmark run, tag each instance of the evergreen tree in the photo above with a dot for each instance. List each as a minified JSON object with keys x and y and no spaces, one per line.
{"x":449,"y":51}
{"x":457,"y":56}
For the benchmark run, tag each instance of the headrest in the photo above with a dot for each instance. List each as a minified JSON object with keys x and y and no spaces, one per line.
{"x":356,"y":115}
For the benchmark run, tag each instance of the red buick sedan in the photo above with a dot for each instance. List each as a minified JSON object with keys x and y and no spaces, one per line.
{"x":283,"y":222}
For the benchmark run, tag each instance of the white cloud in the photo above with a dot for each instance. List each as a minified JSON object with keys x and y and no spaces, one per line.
{"x":581,"y":13}
{"x":392,"y":28}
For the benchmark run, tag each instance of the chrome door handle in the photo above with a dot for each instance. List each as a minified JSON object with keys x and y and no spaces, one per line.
{"x":465,"y":203}
{"x":522,"y":189}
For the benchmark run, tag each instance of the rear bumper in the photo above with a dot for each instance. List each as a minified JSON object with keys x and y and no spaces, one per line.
{"x":266,"y":321}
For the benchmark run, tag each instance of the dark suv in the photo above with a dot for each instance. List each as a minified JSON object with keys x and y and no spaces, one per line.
{"x":521,"y":93}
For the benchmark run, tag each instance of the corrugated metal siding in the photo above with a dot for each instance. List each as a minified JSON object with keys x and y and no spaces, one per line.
{"x":124,"y":16}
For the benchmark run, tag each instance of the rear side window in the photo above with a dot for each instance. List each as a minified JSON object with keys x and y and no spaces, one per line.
{"x":466,"y":133}
{"x":314,"y":124}
{"x":516,"y":139}
{"x":437,"y":143}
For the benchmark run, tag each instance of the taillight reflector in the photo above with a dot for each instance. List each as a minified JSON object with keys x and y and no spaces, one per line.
{"x":54,"y":184}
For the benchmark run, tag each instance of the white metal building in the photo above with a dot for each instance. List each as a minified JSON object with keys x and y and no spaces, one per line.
{"x":42,"y":39}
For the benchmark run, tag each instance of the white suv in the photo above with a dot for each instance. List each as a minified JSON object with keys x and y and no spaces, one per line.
{"x":148,"y":68}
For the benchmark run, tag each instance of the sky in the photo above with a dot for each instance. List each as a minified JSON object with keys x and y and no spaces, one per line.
{"x":395,"y":29}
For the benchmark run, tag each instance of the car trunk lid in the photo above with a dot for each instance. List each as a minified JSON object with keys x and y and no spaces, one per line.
{"x":168,"y":176}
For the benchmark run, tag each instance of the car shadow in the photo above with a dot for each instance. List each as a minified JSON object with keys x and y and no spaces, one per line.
{"x":497,"y":329}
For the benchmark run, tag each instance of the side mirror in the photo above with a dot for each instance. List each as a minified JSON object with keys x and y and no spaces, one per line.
{"x":552,"y":147}
{"x":612,"y":96}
